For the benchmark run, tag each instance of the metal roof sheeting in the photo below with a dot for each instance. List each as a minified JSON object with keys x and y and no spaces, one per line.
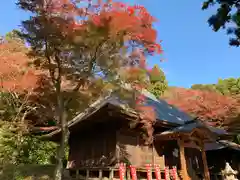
{"x":221,"y":144}
{"x":165,"y":111}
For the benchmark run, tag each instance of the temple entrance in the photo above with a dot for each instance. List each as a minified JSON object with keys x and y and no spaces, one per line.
{"x":194,"y":163}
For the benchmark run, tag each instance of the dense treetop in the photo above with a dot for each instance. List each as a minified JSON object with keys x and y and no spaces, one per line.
{"x":211,"y":107}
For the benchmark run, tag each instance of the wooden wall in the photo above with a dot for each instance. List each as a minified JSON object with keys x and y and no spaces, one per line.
{"x":131,"y":150}
{"x":93,"y":146}
{"x":101,"y":147}
{"x":106,"y":141}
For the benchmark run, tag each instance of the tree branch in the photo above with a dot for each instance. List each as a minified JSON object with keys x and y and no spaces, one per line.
{"x":90,"y":67}
{"x":50,"y":69}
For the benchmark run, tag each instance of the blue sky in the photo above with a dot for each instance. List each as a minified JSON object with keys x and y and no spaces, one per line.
{"x":194,"y":53}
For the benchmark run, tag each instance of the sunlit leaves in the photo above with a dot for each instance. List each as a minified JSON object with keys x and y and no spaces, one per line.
{"x":77,"y":41}
{"x":229,"y":86}
{"x":17,"y":149}
{"x":208,"y":106}
{"x":14,"y":71}
{"x":16,"y":145}
{"x":158,"y":83}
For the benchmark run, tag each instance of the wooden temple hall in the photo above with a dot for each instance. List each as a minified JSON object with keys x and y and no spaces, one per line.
{"x":102,"y":137}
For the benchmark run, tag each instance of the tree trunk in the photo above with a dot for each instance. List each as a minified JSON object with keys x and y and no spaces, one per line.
{"x":61,"y":148}
{"x":62,"y":116}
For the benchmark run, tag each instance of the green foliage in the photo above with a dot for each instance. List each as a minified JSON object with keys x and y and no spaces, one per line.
{"x":237,"y":139}
{"x":230,"y":86}
{"x":27,"y":172}
{"x":13,"y":42}
{"x":158,"y":88}
{"x":227,"y":16}
{"x":158,"y":83}
{"x":156,"y":75}
{"x":204,"y":87}
{"x":24,"y":149}
{"x":13,"y":106}
{"x":17,"y":146}
{"x":13,"y":35}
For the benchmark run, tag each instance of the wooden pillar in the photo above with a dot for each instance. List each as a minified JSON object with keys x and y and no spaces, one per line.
{"x":100,"y":175}
{"x":111,"y":174}
{"x":184,"y":171}
{"x":87,"y":174}
{"x":205,"y":165}
{"x":153,"y":155}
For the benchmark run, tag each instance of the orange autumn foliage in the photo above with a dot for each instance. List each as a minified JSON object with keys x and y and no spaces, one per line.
{"x":107,"y":30}
{"x":14,"y":72}
{"x":132,"y":23}
{"x":211,"y":107}
{"x":147,"y":119}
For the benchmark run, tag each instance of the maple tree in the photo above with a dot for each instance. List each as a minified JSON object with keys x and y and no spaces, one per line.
{"x":18,"y":82}
{"x":27,"y":100}
{"x":155,"y":82}
{"x":214,"y":108}
{"x":73,"y":42}
{"x":227,"y":87}
{"x":15,"y":74}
